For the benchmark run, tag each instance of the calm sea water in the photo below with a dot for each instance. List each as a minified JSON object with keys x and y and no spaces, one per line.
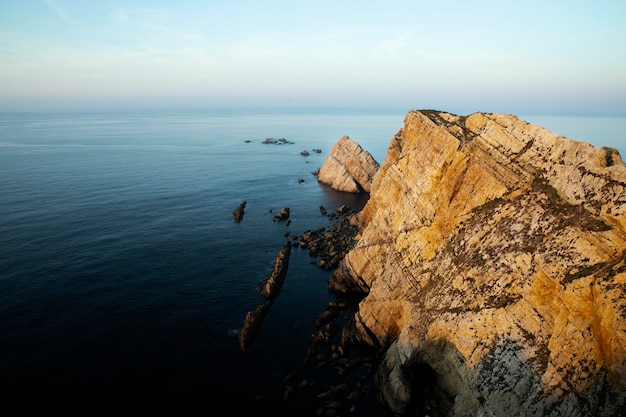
{"x":123,"y":277}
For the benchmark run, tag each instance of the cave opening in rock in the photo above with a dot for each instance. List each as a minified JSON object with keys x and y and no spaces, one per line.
{"x":428,"y":397}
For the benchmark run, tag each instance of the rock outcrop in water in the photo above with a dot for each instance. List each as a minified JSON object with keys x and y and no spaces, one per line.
{"x":349,"y":168}
{"x":239,"y":212}
{"x":251,"y":325}
{"x":493,"y":262}
{"x":270,"y":287}
{"x":283,"y":214}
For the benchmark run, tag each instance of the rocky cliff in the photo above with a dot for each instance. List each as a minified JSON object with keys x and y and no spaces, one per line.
{"x":493,"y":259}
{"x":349,"y":167}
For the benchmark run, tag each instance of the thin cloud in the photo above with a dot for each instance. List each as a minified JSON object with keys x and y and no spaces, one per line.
{"x":151,"y":21}
{"x":118,"y":16}
{"x":389,"y":47}
{"x":62,"y":13}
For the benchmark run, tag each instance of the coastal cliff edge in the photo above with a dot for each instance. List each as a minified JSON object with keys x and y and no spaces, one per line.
{"x":492,"y":261}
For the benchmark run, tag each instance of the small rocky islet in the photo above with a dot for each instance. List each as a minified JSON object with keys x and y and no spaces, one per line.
{"x":333,"y":376}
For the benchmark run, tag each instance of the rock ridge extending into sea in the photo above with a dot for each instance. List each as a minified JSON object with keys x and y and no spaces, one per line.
{"x":492,"y":262}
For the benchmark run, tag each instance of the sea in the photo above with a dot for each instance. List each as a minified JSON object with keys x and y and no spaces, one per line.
{"x":124,"y":279}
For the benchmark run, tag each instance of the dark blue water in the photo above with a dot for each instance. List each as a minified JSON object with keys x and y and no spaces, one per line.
{"x":123,"y":277}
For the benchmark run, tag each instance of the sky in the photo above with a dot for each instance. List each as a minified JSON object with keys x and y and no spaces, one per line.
{"x":544,"y":57}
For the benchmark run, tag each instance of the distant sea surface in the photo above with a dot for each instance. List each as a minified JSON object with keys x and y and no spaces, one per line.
{"x":123,"y":277}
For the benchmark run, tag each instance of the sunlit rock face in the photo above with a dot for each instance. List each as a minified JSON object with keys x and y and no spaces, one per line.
{"x":493,"y":256}
{"x":349,"y":167}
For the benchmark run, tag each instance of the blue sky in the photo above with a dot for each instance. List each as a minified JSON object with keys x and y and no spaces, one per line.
{"x":460,"y":56}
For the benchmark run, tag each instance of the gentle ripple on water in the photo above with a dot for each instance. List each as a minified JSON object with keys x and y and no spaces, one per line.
{"x":123,"y":278}
{"x":121,"y":261}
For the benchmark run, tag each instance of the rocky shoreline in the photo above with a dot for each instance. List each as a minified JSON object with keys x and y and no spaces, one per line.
{"x":493,"y":259}
{"x":488,"y":260}
{"x":336,"y":376}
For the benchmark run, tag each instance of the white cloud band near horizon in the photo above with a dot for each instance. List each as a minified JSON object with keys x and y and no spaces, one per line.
{"x":486,"y":56}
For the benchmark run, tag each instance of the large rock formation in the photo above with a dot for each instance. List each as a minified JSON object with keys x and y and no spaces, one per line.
{"x":349,"y":168}
{"x":493,"y":256}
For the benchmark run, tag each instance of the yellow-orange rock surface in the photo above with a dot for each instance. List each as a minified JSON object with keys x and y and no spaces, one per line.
{"x":348,"y":168}
{"x":493,"y":256}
